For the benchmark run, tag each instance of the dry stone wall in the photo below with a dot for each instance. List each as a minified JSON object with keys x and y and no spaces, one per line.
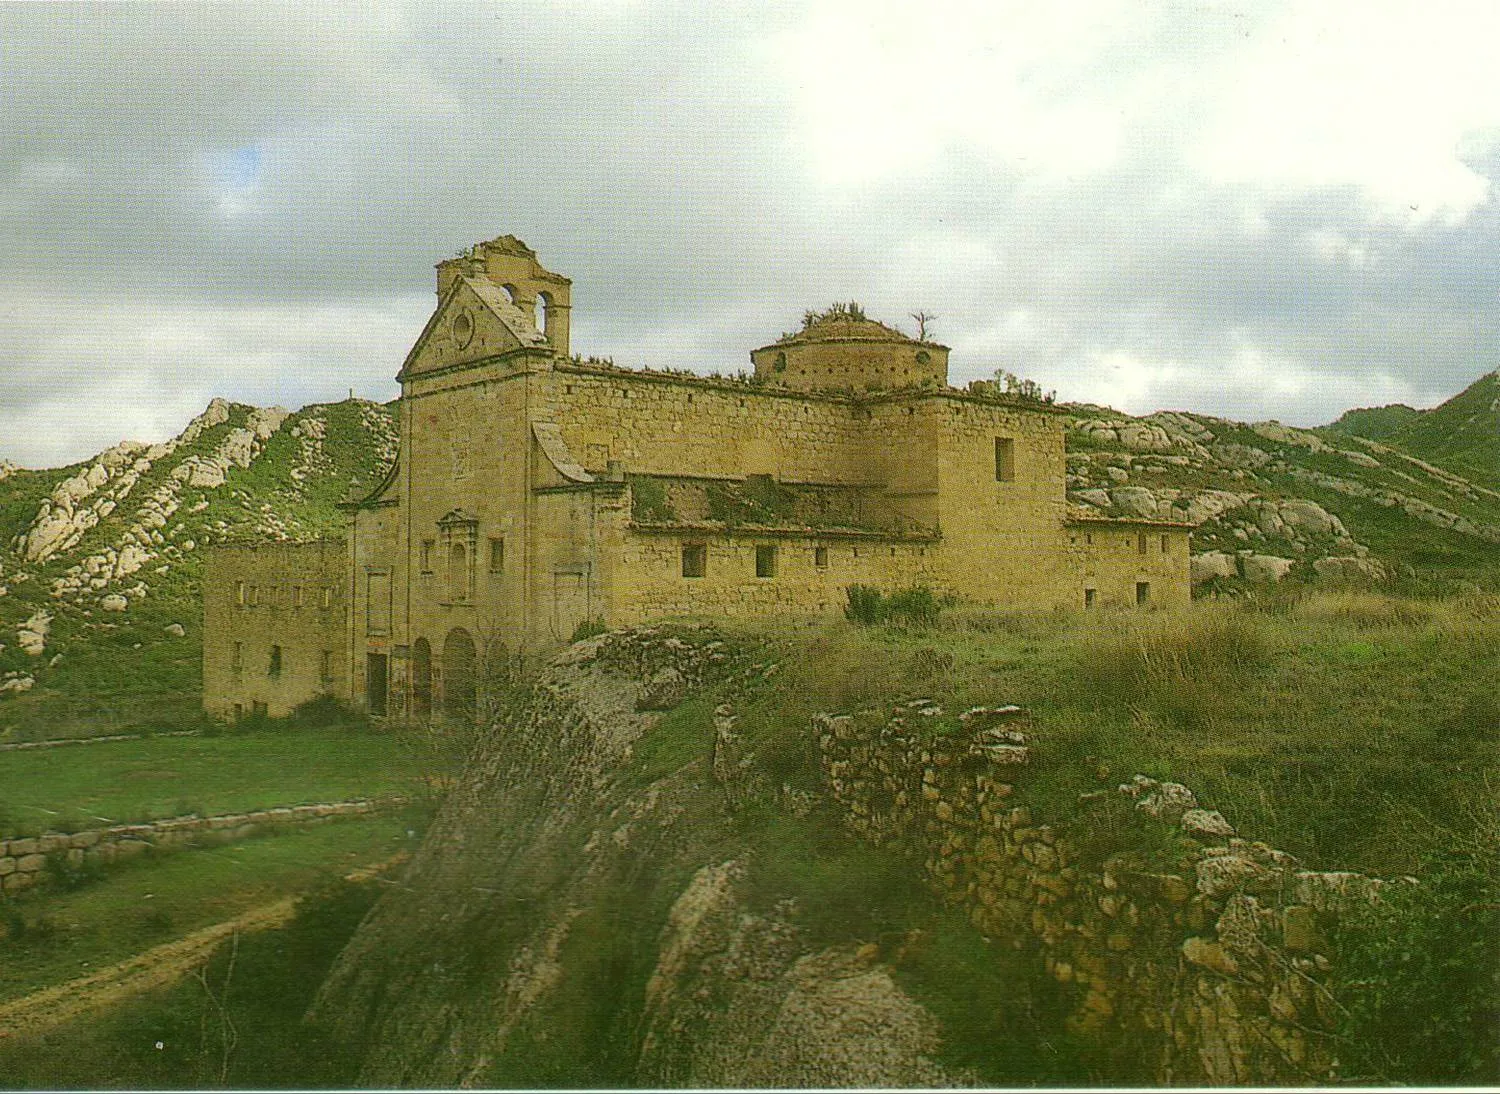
{"x":23,"y":862}
{"x":1206,"y":954}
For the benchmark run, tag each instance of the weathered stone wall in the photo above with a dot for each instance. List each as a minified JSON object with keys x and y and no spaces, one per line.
{"x":1116,"y":557}
{"x":286,"y":597}
{"x":648,"y":581}
{"x":23,"y":862}
{"x":1209,"y":957}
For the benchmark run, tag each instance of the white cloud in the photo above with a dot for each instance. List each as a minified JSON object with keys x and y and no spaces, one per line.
{"x":1378,"y":94}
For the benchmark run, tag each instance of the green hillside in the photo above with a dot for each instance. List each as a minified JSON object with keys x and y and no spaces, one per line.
{"x":1376,"y":422}
{"x":100,"y":562}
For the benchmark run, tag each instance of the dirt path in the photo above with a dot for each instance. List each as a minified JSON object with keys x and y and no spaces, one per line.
{"x":157,"y":967}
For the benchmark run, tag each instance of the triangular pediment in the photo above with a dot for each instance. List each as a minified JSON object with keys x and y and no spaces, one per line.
{"x":474,"y":320}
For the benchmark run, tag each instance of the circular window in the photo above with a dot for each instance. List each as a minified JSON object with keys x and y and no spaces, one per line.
{"x":923,"y":357}
{"x":463,"y":329}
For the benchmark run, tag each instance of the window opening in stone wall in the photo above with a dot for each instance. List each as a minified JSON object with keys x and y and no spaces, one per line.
{"x":296,"y":596}
{"x":1141,"y":544}
{"x":427,"y":546}
{"x":765,"y":560}
{"x":1166,"y":547}
{"x":377,"y":602}
{"x":694,"y":559}
{"x":1143,"y":592}
{"x":239,"y":711}
{"x":1089,"y":597}
{"x":252,"y":596}
{"x":257,"y":709}
{"x":1005,"y":459}
{"x":820,"y":557}
{"x":239,"y":593}
{"x":325,"y":666}
{"x":237,"y":658}
{"x":327,"y":596}
{"x":1088,"y":539}
{"x":458,"y":572}
{"x":274,"y":668}
{"x":497,"y":555}
{"x":543,"y":307}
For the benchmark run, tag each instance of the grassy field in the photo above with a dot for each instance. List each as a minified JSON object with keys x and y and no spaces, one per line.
{"x":1357,"y":730}
{"x":57,"y":936}
{"x":238,"y":1024}
{"x":88,"y":786}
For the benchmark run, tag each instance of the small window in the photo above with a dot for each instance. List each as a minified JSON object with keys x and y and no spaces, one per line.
{"x":1141,"y":544}
{"x":296,"y":596}
{"x":694,"y":559}
{"x":239,"y":593}
{"x":427,"y":546}
{"x":1088,"y":538}
{"x":1143,"y":592}
{"x":327,"y":596}
{"x":1005,"y":459}
{"x":239,"y":711}
{"x":765,"y":560}
{"x":497,"y":555}
{"x":252,"y":596}
{"x":237,"y":658}
{"x":325,"y":666}
{"x":274,"y":669}
{"x":1166,"y":545}
{"x":820,"y":557}
{"x":1090,"y":597}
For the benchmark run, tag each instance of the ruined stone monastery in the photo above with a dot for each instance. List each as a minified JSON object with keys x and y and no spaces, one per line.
{"x":535,"y":492}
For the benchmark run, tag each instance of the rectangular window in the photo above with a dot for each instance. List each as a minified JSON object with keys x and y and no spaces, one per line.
{"x":427,"y":546}
{"x":296,"y":596}
{"x":820,"y":557}
{"x":252,"y":596}
{"x":327,"y":596}
{"x":694,"y":559}
{"x":325,"y":666}
{"x":1141,"y":544}
{"x":1143,"y":592}
{"x":1005,"y":459}
{"x":765,"y":560}
{"x":239,"y":711}
{"x":239,"y":593}
{"x":1166,"y":546}
{"x":237,"y":658}
{"x":1090,"y":596}
{"x":378,"y":602}
{"x":497,"y":555}
{"x":274,"y":668}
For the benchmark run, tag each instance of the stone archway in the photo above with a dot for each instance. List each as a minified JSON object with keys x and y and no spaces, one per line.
{"x":421,"y":680}
{"x":459,"y":675}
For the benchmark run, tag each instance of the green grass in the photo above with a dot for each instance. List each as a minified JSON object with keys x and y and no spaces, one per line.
{"x":159,"y":897}
{"x":89,"y":786}
{"x":239,"y":1024}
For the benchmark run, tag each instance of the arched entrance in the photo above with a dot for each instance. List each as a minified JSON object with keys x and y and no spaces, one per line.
{"x":458,"y":674}
{"x":421,"y":679}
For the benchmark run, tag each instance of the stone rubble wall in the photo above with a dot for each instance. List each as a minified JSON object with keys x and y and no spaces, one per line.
{"x":1209,"y":957}
{"x":23,"y":862}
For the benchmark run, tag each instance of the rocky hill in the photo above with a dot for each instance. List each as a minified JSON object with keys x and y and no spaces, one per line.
{"x":1462,"y":435}
{"x":1272,"y":502}
{"x":100,"y":561}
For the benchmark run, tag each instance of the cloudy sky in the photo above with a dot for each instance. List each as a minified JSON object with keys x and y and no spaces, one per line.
{"x":1252,"y":209}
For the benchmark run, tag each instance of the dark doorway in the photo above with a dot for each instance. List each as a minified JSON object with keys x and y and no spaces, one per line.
{"x":375,"y":684}
{"x":458,"y":675}
{"x":421,"y":679}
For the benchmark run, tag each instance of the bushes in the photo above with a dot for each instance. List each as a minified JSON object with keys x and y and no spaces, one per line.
{"x":1420,"y":979}
{"x":918,"y":604}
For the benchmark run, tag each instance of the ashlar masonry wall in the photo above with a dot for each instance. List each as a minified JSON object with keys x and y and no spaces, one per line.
{"x":274,"y":626}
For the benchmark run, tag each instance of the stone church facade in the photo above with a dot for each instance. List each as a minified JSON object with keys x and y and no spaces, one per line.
{"x":536,"y":492}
